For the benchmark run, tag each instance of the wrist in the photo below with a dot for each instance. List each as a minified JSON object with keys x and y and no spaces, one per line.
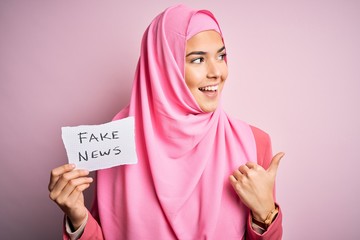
{"x":264,"y":224}
{"x":76,"y":223}
{"x":261,"y":213}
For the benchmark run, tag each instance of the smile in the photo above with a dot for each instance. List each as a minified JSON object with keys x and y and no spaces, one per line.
{"x":209,"y":88}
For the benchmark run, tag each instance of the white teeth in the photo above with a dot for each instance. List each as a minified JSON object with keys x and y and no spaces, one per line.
{"x":209,"y":88}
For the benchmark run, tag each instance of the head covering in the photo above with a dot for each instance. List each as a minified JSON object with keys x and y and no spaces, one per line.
{"x":197,"y":25}
{"x":179,"y":188}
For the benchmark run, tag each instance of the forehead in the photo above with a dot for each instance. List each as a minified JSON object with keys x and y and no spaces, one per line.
{"x":205,"y":40}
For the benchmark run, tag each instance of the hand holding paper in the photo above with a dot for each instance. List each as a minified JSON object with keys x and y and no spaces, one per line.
{"x":94,"y":147}
{"x":66,"y":187}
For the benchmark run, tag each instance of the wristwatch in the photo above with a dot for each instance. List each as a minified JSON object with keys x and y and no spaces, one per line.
{"x":268,"y":220}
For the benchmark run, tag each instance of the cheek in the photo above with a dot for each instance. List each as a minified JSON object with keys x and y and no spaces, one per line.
{"x":192,"y":77}
{"x":224,"y":74}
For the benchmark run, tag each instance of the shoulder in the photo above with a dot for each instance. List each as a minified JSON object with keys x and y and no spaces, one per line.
{"x":261,"y":137}
{"x":263,"y":146}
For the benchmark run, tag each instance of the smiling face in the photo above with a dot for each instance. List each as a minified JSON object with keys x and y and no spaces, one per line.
{"x":206,"y":68}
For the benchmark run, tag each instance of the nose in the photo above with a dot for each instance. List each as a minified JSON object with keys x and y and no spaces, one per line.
{"x":213,"y":70}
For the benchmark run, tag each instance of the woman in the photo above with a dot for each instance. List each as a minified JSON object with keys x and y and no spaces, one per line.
{"x":195,"y":178}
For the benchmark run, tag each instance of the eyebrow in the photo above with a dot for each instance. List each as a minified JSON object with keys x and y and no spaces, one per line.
{"x":202,"y":52}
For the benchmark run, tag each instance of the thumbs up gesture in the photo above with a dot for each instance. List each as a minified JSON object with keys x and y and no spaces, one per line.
{"x":255,"y":186}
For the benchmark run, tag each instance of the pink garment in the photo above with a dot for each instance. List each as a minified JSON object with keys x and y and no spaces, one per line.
{"x":180,"y":187}
{"x":274,"y":232}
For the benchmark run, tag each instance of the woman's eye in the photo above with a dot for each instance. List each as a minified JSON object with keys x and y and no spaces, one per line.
{"x":197,"y":60}
{"x":222,"y":56}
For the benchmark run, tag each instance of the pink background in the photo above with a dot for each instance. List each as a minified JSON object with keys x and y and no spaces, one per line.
{"x":294,"y":72}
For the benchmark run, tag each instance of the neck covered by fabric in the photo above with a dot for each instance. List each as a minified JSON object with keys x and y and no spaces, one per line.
{"x":185,"y":155}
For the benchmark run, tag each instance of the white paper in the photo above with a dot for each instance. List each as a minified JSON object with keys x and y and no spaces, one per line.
{"x":94,"y":147}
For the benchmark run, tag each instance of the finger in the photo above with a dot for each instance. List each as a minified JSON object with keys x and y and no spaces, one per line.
{"x":244,"y":169}
{"x":76,"y":193}
{"x":65,"y":179}
{"x":237,"y":175}
{"x":233,"y":180}
{"x":69,"y":203}
{"x":57,"y":172}
{"x":73,"y":184}
{"x":73,"y":187}
{"x":275,"y":162}
{"x":251,"y":165}
{"x":235,"y":184}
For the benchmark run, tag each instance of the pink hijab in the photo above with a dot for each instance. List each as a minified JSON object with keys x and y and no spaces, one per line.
{"x":180,"y":187}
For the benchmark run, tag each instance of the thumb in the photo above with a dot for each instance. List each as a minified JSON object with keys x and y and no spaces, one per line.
{"x":275,"y":161}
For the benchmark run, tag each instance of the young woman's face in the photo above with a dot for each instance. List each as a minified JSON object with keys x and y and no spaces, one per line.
{"x":206,"y":68}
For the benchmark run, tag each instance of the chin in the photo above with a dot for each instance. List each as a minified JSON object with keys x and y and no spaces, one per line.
{"x":208,"y":109}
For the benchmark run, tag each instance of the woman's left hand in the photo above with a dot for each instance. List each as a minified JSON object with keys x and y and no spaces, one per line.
{"x":255,"y":186}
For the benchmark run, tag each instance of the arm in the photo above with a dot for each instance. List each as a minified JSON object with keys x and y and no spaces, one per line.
{"x":264,"y":153}
{"x":66,"y":188}
{"x":90,"y":229}
{"x":254,"y":183}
